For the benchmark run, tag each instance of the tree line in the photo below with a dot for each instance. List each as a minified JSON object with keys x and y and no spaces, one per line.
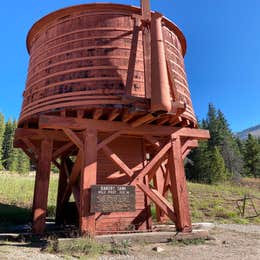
{"x":224,"y":157}
{"x":11,"y":159}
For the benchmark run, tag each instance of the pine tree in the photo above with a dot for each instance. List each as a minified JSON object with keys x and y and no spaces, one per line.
{"x":7,"y":147}
{"x":252,"y":157}
{"x":2,"y":129}
{"x":23,"y":165}
{"x":222,"y":139}
{"x":217,"y":167}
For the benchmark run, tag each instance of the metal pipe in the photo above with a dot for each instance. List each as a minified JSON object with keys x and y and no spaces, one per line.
{"x":160,"y":87}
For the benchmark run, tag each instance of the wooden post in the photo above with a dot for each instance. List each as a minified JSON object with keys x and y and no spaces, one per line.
{"x":179,"y":187}
{"x":158,"y":184}
{"x":88,"y":178}
{"x":42,"y":186}
{"x":61,"y":189}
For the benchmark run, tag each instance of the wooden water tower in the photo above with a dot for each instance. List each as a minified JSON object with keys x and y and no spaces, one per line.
{"x":107,"y":101}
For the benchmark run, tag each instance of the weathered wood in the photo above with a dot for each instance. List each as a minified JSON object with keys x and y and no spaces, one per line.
{"x":88,"y":178}
{"x":179,"y":187}
{"x":42,"y":186}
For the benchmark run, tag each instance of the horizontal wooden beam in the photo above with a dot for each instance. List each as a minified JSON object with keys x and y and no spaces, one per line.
{"x":56,"y":122}
{"x":39,"y":134}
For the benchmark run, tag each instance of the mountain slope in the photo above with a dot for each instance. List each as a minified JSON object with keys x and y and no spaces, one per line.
{"x":255,"y":131}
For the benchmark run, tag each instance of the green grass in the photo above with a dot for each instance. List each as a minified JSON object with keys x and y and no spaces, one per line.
{"x":217,"y":202}
{"x":76,"y":247}
{"x":186,"y":242}
{"x":208,"y":202}
{"x":16,"y":197}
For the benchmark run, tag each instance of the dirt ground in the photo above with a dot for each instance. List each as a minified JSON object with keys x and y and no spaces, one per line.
{"x":230,"y":242}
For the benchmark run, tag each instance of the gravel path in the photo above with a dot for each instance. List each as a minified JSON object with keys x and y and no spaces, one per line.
{"x":232,"y":242}
{"x":252,"y":229}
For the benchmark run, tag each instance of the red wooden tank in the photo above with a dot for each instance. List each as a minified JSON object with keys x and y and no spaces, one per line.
{"x":107,"y":101}
{"x":92,"y":56}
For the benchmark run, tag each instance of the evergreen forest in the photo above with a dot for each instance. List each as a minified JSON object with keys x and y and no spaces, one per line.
{"x":223,"y":158}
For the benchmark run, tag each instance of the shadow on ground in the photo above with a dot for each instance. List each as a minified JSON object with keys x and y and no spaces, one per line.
{"x":11,"y":215}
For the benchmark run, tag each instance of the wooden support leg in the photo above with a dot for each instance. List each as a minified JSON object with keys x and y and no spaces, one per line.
{"x":88,"y":178}
{"x":179,"y":188}
{"x":61,"y":189}
{"x":42,"y":186}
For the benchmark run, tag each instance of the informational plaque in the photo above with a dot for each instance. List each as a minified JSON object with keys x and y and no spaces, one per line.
{"x":112,"y":198}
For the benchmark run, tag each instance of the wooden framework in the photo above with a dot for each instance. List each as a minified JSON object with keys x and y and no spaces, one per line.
{"x":163,"y":173}
{"x":138,"y":119}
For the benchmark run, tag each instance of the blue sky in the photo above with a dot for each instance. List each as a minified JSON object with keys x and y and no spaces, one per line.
{"x":222,"y":61}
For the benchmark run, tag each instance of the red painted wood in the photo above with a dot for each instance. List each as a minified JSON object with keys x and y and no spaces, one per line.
{"x":88,"y":178}
{"x":61,"y":188}
{"x":179,"y":188}
{"x":42,"y":186}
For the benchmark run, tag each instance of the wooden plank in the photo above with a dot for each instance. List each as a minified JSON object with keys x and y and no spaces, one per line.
{"x":159,"y":201}
{"x":185,"y":154}
{"x":61,"y":189}
{"x":189,"y":144}
{"x":118,"y":162}
{"x":38,"y":134}
{"x":80,"y":113}
{"x":158,"y":181}
{"x":127,"y":117}
{"x":76,"y":169}
{"x":152,"y":163}
{"x":98,"y":112}
{"x":109,"y":139}
{"x":179,"y":188}
{"x":62,"y":150}
{"x":56,"y":122}
{"x":142,"y":120}
{"x":88,"y":178}
{"x":132,"y":58}
{"x":193,"y":133}
{"x":153,"y":141}
{"x":31,"y":147}
{"x":73,"y":137}
{"x":114,"y":114}
{"x":42,"y":186}
{"x":146,"y":9}
{"x":146,"y":30}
